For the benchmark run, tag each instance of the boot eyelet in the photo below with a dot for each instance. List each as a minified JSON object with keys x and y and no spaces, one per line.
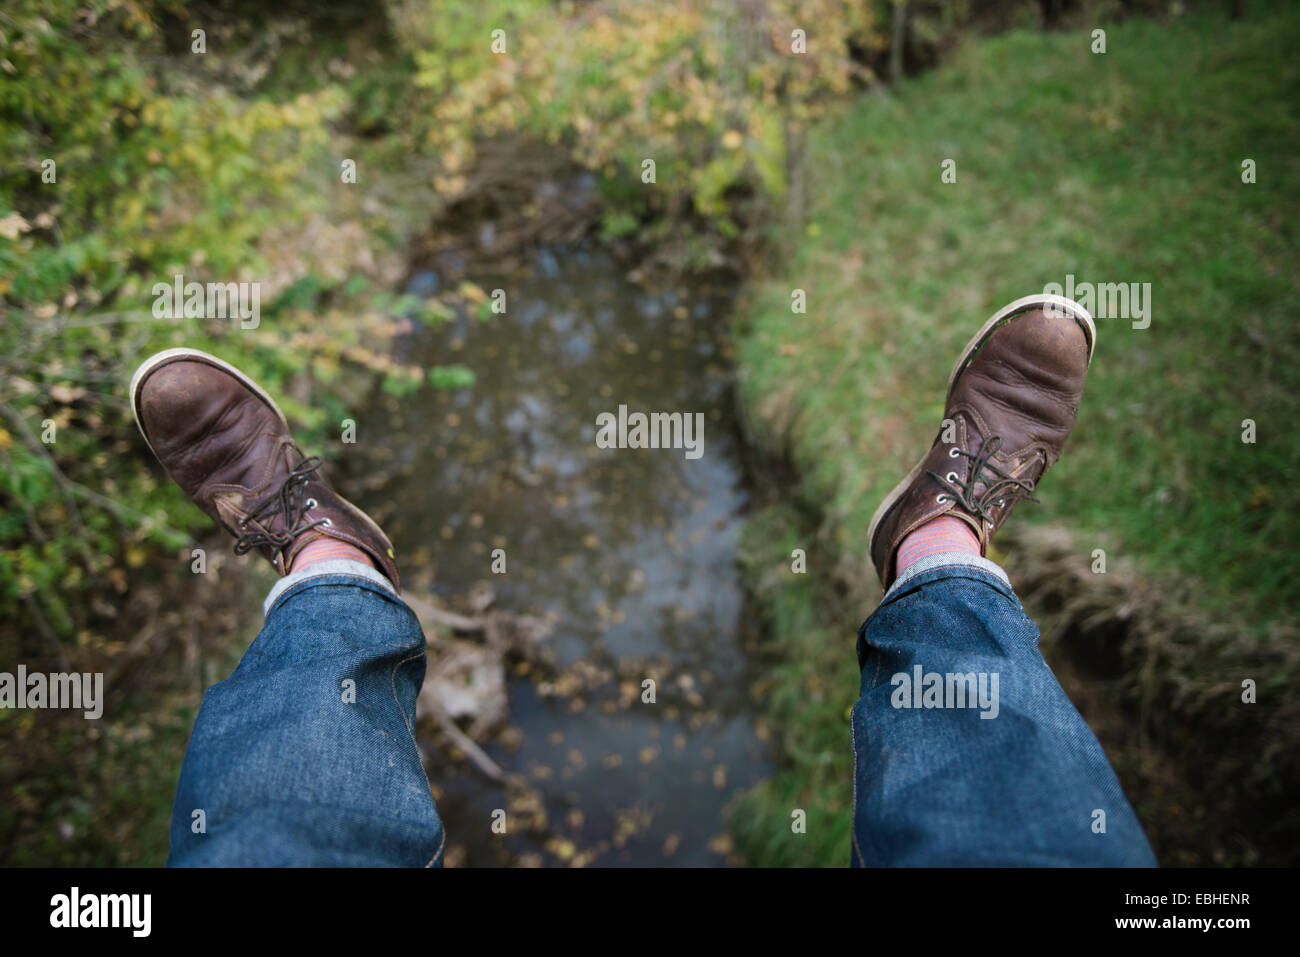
{"x":954,"y":452}
{"x":311,"y":503}
{"x":327,"y":523}
{"x":940,"y":499}
{"x":951,"y":477}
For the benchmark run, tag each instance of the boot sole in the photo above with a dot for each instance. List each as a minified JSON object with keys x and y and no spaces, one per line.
{"x":159,"y":359}
{"x":1007,"y":312}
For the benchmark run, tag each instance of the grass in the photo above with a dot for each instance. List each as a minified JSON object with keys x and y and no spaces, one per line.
{"x":807,"y":690}
{"x":1116,"y":167}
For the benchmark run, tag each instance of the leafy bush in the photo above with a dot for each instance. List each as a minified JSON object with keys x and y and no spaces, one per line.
{"x":708,"y":89}
{"x":127,"y":168}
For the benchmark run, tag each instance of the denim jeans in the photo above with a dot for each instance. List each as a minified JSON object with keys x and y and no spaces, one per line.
{"x":966,"y":750}
{"x":305,"y":755}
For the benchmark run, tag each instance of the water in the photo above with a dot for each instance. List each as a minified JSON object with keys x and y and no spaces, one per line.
{"x":631,"y":552}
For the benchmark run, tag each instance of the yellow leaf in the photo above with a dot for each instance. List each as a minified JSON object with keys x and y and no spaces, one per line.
{"x":472,"y":292}
{"x":13,"y":226}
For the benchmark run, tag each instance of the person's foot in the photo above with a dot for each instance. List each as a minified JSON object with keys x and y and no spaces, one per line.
{"x":1012,"y":399}
{"x":228,"y":446}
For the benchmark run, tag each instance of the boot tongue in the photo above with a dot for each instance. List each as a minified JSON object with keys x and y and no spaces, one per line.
{"x":982,"y":475}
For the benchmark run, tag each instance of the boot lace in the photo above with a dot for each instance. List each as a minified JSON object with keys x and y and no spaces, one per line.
{"x":289,"y":500}
{"x":999,"y":487}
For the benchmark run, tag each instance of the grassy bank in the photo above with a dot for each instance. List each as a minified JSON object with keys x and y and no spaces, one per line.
{"x":1121,"y":167}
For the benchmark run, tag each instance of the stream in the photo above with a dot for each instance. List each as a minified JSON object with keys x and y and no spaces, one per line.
{"x":630,"y":553}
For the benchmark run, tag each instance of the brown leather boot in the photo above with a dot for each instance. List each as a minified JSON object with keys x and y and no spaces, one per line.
{"x":1012,"y":399}
{"x":228,"y":446}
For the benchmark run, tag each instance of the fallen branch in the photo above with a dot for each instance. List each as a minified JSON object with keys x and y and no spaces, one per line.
{"x":478,"y":757}
{"x":426,"y":609}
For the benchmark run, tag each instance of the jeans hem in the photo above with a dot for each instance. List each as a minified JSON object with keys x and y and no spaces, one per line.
{"x":945,"y":560}
{"x":347,"y":567}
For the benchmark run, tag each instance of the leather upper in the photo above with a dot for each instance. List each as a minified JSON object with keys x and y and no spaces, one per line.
{"x":1020,"y":393}
{"x":230,"y":451}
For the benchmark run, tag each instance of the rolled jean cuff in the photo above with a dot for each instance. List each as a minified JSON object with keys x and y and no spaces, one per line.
{"x":942,"y":560}
{"x":331,"y":566}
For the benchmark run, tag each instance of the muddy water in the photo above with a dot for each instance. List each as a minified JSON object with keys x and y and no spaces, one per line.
{"x":630,"y":552}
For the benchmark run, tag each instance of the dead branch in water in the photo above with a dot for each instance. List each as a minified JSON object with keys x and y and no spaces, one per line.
{"x":499,"y":632}
{"x":478,"y":757}
{"x":498,"y":628}
{"x":426,"y":609}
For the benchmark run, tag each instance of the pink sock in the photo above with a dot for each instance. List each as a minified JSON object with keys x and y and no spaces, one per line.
{"x":325,"y":548}
{"x":942,"y":534}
